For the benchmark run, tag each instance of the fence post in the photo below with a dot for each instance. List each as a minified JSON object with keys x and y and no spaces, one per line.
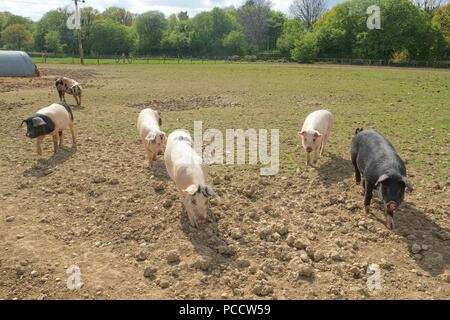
{"x":98,"y":59}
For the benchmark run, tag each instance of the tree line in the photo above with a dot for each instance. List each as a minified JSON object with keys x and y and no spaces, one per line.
{"x":410,"y":30}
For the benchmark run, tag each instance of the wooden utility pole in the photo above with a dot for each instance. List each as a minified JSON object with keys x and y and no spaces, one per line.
{"x":78,"y":19}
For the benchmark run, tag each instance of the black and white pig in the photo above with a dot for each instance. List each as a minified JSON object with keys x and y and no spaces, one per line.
{"x":51,"y":120}
{"x":376,"y":160}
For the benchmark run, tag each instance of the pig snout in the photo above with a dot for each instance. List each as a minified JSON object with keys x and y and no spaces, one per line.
{"x":392,"y":206}
{"x":309,"y":149}
{"x":201,"y":220}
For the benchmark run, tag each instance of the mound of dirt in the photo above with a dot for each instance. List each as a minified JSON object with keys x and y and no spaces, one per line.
{"x":185,"y":103}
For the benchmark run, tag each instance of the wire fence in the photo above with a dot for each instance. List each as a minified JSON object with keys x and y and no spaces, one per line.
{"x":111,"y":59}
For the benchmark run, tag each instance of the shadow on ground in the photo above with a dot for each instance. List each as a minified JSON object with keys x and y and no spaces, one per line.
{"x":159,"y":171}
{"x":43,"y":167}
{"x":335,"y":170}
{"x":416,"y":228}
{"x":208,"y":242}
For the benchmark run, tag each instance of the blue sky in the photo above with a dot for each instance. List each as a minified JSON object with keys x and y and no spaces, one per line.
{"x":34,"y":9}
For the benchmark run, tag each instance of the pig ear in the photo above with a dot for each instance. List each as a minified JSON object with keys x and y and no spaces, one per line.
{"x":21,"y":124}
{"x":408,"y":185}
{"x":38,"y":121}
{"x":381,"y":179}
{"x":317,"y":134}
{"x":210,"y":191}
{"x":191,"y":190}
{"x":301,"y":133}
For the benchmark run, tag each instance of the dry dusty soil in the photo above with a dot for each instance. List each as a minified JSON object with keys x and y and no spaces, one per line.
{"x":301,"y":234}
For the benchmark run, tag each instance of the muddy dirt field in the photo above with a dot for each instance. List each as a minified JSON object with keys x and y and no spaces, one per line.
{"x":301,"y":234}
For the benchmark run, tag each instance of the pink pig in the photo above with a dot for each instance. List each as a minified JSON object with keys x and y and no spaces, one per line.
{"x":315,"y":133}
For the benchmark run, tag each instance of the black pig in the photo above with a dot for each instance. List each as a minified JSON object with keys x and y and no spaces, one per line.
{"x":376,"y":160}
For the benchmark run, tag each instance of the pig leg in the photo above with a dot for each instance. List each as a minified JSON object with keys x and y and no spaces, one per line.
{"x":322,"y":145}
{"x":38,"y":145}
{"x":316,"y":156}
{"x":61,"y":95}
{"x":150,"y":156}
{"x":55,"y":142}
{"x":308,"y":158}
{"x":389,"y":220}
{"x":76,"y":99}
{"x":188,"y":211}
{"x":61,"y":140}
{"x":367,"y":197}
{"x":72,"y":132}
{"x":357,"y":173}
{"x":363,"y":186}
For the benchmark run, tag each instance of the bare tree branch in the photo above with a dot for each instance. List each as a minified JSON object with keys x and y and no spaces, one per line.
{"x":308,"y":11}
{"x":430,"y":6}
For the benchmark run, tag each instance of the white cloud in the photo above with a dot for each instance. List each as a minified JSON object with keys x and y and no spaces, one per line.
{"x":35,"y":9}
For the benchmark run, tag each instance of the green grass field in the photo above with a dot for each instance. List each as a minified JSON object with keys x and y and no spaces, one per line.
{"x":161,"y":60}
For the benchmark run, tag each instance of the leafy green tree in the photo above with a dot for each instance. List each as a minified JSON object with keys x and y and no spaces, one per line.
{"x":55,"y":20}
{"x":17,"y":37}
{"x":209,"y":29}
{"x":88,"y":17}
{"x":441,"y":21}
{"x":404,"y":27}
{"x":3,"y":16}
{"x":183,"y":16}
{"x":235,"y":43}
{"x":119,"y":15}
{"x":292,"y":31}
{"x":275,"y":27}
{"x":176,"y":42}
{"x":53,"y":41}
{"x":10,"y":19}
{"x":112,"y":38}
{"x":306,"y":48}
{"x":150,"y":27}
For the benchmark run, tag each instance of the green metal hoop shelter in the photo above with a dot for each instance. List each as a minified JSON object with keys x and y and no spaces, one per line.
{"x":16,"y":64}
